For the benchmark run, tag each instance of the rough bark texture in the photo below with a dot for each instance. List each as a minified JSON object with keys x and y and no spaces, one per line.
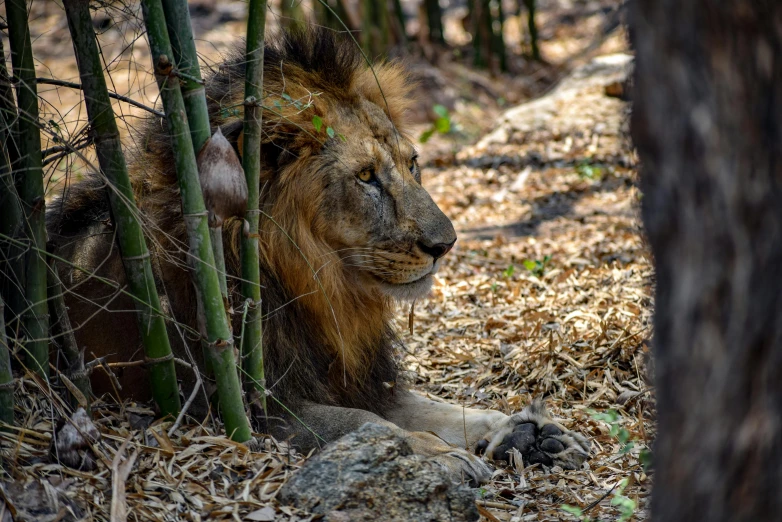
{"x":708,"y":127}
{"x":372,"y":474}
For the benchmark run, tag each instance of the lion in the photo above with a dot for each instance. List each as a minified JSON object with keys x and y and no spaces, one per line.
{"x":347,"y":231}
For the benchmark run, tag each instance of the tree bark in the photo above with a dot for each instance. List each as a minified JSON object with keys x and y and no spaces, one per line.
{"x":434,"y":21}
{"x":708,"y":126}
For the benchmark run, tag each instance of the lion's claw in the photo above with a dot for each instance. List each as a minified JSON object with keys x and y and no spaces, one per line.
{"x":538,"y":438}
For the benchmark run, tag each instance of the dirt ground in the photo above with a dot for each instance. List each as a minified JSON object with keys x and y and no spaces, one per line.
{"x":548,"y":291}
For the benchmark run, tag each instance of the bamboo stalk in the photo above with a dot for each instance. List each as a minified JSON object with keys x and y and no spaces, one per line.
{"x":252,"y":340}
{"x":6,"y":375}
{"x":191,"y":84}
{"x":211,"y":307}
{"x":11,"y":257}
{"x":62,"y":333}
{"x":30,"y":188}
{"x":130,"y":236}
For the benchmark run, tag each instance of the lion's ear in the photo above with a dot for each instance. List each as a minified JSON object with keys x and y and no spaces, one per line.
{"x":234,"y":133}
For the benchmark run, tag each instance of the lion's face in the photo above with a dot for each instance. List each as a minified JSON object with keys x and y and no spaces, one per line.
{"x":373,"y":211}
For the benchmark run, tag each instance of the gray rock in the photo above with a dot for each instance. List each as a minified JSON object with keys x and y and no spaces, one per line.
{"x":373,"y":475}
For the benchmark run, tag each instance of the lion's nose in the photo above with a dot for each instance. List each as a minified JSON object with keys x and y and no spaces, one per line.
{"x":437,"y":250}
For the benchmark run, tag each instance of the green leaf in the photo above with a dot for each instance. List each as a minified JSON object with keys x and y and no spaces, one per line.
{"x":508,"y":272}
{"x":443,"y":125}
{"x":330,"y":132}
{"x":317,"y":122}
{"x":530,"y":265}
{"x":286,"y":97}
{"x":426,"y":135}
{"x":573,"y":510}
{"x":342,"y":137}
{"x":441,"y":111}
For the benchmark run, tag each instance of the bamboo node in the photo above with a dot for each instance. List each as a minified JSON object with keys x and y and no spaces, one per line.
{"x":33,"y":315}
{"x":145,"y":255}
{"x":183,"y":76}
{"x":195,"y":214}
{"x":164,"y":65}
{"x":155,"y":360}
{"x":221,"y":344}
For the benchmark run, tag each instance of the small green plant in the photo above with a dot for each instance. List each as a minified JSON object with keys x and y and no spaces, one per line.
{"x":508,"y":272}
{"x":624,"y":504}
{"x":614,"y":421}
{"x":442,"y":123}
{"x":587,"y":170}
{"x":576,"y":512}
{"x":537,"y":267}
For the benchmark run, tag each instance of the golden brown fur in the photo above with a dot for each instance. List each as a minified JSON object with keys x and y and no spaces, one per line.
{"x":346,"y":229}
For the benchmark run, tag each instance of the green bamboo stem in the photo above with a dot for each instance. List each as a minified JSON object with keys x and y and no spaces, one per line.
{"x":130,"y":237}
{"x":252,"y":340}
{"x":211,"y":307}
{"x":30,"y":188}
{"x":11,"y":216}
{"x":192,"y":86}
{"x":6,"y":375}
{"x":182,"y":43}
{"x":62,"y":333}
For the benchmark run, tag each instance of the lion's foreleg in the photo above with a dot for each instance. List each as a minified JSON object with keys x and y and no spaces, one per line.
{"x":459,"y":426}
{"x":319,"y":424}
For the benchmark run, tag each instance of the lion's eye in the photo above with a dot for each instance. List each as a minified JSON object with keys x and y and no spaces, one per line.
{"x":367,"y":175}
{"x":412,"y":166}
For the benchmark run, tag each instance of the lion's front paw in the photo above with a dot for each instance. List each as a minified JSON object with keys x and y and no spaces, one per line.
{"x":464,"y":466}
{"x":537,"y":437}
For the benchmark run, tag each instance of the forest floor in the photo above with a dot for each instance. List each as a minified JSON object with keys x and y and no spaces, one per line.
{"x":548,"y":293}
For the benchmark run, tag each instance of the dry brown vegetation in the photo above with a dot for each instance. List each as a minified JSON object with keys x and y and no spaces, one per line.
{"x":552,"y":183}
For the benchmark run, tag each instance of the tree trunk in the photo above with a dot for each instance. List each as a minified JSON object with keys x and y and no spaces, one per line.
{"x":708,"y":126}
{"x":532,"y":28}
{"x":496,"y":25}
{"x":375,"y":28}
{"x":434,"y":21}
